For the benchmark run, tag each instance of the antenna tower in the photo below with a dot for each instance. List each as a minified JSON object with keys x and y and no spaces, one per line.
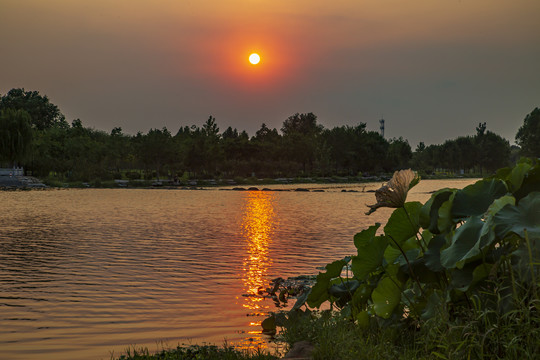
{"x":382,"y":127}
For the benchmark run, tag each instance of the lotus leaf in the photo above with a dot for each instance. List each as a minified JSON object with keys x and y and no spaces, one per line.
{"x":361,"y":295}
{"x":386,"y":296}
{"x":517,"y":175}
{"x":514,"y":219}
{"x":461,"y":279}
{"x":369,"y":257}
{"x":344,"y":289}
{"x":391,"y":253}
{"x":531,"y":183}
{"x":465,"y":244}
{"x":403,"y":223}
{"x":429,"y":214}
{"x":433,"y":253}
{"x":433,"y":306}
{"x":366,"y":236}
{"x":362,"y":319}
{"x":319,"y":291}
{"x":444,"y":221}
{"x":475,"y":199}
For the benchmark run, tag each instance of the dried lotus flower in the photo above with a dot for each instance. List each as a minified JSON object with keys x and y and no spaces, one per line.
{"x":394,"y":193}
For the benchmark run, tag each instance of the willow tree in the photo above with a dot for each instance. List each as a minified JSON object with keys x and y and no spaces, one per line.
{"x":15,"y":135}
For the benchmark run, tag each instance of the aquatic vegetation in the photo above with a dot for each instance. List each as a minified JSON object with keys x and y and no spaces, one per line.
{"x":461,"y":269}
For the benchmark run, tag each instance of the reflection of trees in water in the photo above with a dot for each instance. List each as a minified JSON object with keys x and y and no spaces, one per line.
{"x":257,"y":227}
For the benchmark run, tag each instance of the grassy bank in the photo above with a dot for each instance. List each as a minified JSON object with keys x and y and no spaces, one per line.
{"x":195,"y":352}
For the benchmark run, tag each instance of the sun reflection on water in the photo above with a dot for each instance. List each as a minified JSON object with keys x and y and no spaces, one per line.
{"x":258,"y":223}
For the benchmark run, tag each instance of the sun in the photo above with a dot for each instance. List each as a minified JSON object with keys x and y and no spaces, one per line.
{"x":254,"y":58}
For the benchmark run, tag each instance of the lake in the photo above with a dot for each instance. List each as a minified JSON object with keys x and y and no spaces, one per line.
{"x":89,"y":272}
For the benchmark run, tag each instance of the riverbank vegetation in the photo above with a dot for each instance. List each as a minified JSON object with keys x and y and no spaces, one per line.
{"x":36,"y":135}
{"x":455,"y":278}
{"x":196,"y":352}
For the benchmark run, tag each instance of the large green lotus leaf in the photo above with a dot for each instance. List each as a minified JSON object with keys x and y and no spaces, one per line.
{"x":514,"y":219}
{"x":411,"y":256}
{"x":465,"y":244}
{"x":335,"y":268}
{"x":344,"y":289}
{"x":361,"y":295}
{"x":366,"y":236}
{"x":425,"y":218}
{"x":474,"y":200}
{"x":487,"y":235}
{"x":391,"y":253}
{"x":423,"y":273}
{"x":269,"y":325}
{"x":517,"y":175}
{"x":445,"y":222}
{"x":433,"y":253}
{"x":369,"y":257}
{"x":319,"y":291}
{"x":502,"y":173}
{"x":461,"y":279}
{"x":531,"y":182}
{"x":386,"y":296}
{"x":429,"y":214}
{"x":362,"y":318}
{"x":499,"y":203}
{"x":433,"y":306}
{"x":403,"y":223}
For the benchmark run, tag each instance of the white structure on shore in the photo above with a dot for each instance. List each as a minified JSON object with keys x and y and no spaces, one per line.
{"x":15,"y":171}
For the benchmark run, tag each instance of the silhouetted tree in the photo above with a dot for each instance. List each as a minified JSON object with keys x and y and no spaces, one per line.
{"x":156,"y":149}
{"x":15,"y":135}
{"x":43,"y":113}
{"x":300,"y":134}
{"x":399,"y":154}
{"x":528,"y":135}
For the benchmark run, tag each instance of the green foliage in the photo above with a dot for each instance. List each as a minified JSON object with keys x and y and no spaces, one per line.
{"x":195,"y":352}
{"x":483,"y":151}
{"x":303,"y":148}
{"x":528,"y":135}
{"x":470,"y":251}
{"x":15,"y":134}
{"x":43,"y":114}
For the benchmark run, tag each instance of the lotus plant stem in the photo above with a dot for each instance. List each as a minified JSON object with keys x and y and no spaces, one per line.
{"x":409,"y":265}
{"x":420,"y":242}
{"x":531,"y":264}
{"x":413,"y":308}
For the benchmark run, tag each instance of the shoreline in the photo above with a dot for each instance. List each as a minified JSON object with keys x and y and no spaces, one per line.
{"x":11,"y":183}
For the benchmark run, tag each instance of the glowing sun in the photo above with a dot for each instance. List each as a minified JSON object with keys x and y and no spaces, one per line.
{"x":254,"y":58}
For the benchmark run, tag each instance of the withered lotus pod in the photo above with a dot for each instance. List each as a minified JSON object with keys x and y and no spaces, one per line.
{"x":394,"y":193}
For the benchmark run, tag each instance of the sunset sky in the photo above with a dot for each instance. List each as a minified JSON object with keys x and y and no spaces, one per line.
{"x":433,"y":69}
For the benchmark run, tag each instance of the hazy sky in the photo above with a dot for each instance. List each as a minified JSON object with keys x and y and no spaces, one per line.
{"x":433,"y":69}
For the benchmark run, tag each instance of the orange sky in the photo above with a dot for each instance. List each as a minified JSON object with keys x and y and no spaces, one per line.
{"x":433,"y":69}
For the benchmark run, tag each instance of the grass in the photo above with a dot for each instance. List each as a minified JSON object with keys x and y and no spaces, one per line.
{"x":196,"y":352}
{"x":478,"y":333}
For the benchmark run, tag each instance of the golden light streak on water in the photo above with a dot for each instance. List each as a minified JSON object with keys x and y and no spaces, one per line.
{"x":257,"y":228}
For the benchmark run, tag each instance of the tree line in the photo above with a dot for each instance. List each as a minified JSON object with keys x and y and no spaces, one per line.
{"x":35,"y":134}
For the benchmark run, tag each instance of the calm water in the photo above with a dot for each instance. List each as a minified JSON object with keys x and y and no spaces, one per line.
{"x":84,"y":273}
